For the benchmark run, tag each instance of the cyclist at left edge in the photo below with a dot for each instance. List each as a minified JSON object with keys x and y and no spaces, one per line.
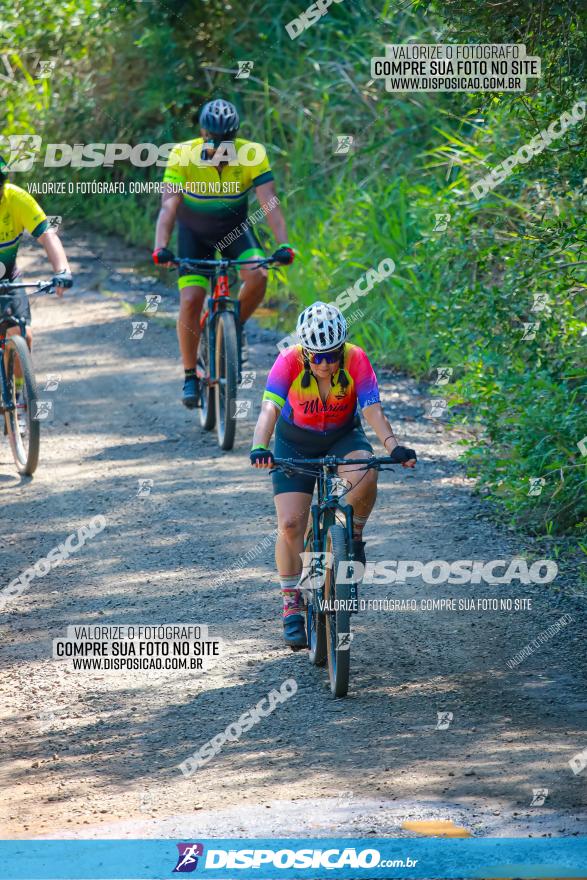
{"x":19,"y":211}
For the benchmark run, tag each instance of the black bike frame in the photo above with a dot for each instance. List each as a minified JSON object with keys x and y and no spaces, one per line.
{"x":328,"y":504}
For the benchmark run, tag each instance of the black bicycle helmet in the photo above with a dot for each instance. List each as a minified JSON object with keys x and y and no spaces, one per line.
{"x":220,"y":118}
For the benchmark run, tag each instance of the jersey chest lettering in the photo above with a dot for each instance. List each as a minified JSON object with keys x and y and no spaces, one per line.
{"x":311,"y":407}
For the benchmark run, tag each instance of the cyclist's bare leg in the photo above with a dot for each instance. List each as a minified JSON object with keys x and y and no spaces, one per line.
{"x":292,"y":518}
{"x":15,"y":331}
{"x":363,"y":491}
{"x":252,"y":291}
{"x":188,"y":324}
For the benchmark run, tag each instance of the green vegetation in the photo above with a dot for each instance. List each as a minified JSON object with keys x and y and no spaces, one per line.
{"x":138,"y":71}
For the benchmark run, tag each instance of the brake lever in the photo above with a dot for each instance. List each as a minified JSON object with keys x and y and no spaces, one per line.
{"x":289,"y":472}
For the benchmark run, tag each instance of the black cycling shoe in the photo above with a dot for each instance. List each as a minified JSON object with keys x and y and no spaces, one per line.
{"x":191,"y":392}
{"x":294,"y":632}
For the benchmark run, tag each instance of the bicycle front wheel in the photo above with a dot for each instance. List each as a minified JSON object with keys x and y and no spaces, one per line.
{"x":226,"y":379}
{"x":338,"y":617}
{"x":208,"y":409}
{"x":22,"y":424}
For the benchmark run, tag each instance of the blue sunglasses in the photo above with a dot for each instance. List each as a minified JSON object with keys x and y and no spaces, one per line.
{"x":331,"y":357}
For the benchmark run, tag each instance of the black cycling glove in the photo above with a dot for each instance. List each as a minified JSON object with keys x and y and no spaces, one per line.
{"x":62,"y":279}
{"x":261,"y":455}
{"x":162,"y":256}
{"x":400,"y":454}
{"x":284,"y":254}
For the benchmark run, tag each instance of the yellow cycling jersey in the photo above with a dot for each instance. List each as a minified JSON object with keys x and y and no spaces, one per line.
{"x":18,"y":212}
{"x":216,"y":199}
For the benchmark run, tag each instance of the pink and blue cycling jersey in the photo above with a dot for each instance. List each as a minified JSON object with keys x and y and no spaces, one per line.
{"x":303,"y":406}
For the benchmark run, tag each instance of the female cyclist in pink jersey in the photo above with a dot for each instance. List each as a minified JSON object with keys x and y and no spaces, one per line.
{"x":311,"y":401}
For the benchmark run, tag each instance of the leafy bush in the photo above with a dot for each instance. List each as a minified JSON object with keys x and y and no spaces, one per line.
{"x":138,"y":72}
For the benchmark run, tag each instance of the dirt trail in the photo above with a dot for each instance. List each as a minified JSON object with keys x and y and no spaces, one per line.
{"x":88,"y":753}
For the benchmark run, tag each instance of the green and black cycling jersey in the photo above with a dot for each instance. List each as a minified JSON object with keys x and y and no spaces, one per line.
{"x":215,"y":198}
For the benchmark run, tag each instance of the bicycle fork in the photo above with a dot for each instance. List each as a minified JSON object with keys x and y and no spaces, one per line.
{"x":208,"y":325}
{"x":349,"y":529}
{"x":7,"y":402}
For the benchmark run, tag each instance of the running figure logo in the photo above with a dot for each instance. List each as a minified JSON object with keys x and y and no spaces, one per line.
{"x":244,"y":69}
{"x":436,"y":408}
{"x":530,"y":329}
{"x":43,"y":410}
{"x":139,"y":328}
{"x":188,"y":857}
{"x":343,"y":641}
{"x":241,"y":408}
{"x":441,"y":223}
{"x":248,"y":378}
{"x":344,"y":143}
{"x":444,"y":720}
{"x":24,"y":149}
{"x":46,"y":68}
{"x":152,"y":302}
{"x":539,"y":795}
{"x":443,"y":375}
{"x":536,"y":485}
{"x":52,"y":383}
{"x":145,"y":487}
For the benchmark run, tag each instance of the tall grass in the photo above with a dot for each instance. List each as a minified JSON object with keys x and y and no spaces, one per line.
{"x":458,"y":297}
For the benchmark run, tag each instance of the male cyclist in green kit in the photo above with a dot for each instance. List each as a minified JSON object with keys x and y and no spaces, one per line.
{"x":209,"y":180}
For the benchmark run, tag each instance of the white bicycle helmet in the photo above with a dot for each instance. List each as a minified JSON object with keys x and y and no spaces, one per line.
{"x":321,"y":327}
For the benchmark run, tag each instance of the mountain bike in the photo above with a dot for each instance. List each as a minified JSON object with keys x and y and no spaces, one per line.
{"x":19,"y":405}
{"x":219,"y":363}
{"x":331,"y":595}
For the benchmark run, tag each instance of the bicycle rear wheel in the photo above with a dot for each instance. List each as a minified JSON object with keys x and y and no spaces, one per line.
{"x":315,"y":626}
{"x":226,"y":378}
{"x":22,"y":426}
{"x":208,"y":409}
{"x":338,"y":618}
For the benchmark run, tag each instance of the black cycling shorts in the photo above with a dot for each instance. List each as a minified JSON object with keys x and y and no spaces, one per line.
{"x":191,"y":246}
{"x":291,"y":441}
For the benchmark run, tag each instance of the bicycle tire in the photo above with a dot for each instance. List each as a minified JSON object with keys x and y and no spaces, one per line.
{"x":208,"y":408}
{"x":226,"y":378}
{"x":315,"y":620}
{"x":26,"y":455}
{"x":338,"y":621}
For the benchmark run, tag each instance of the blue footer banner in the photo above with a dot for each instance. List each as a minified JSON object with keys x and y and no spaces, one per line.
{"x":226,"y":859}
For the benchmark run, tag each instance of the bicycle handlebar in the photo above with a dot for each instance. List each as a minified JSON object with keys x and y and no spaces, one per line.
{"x":258,"y":261}
{"x":40,"y":286}
{"x":333,"y":461}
